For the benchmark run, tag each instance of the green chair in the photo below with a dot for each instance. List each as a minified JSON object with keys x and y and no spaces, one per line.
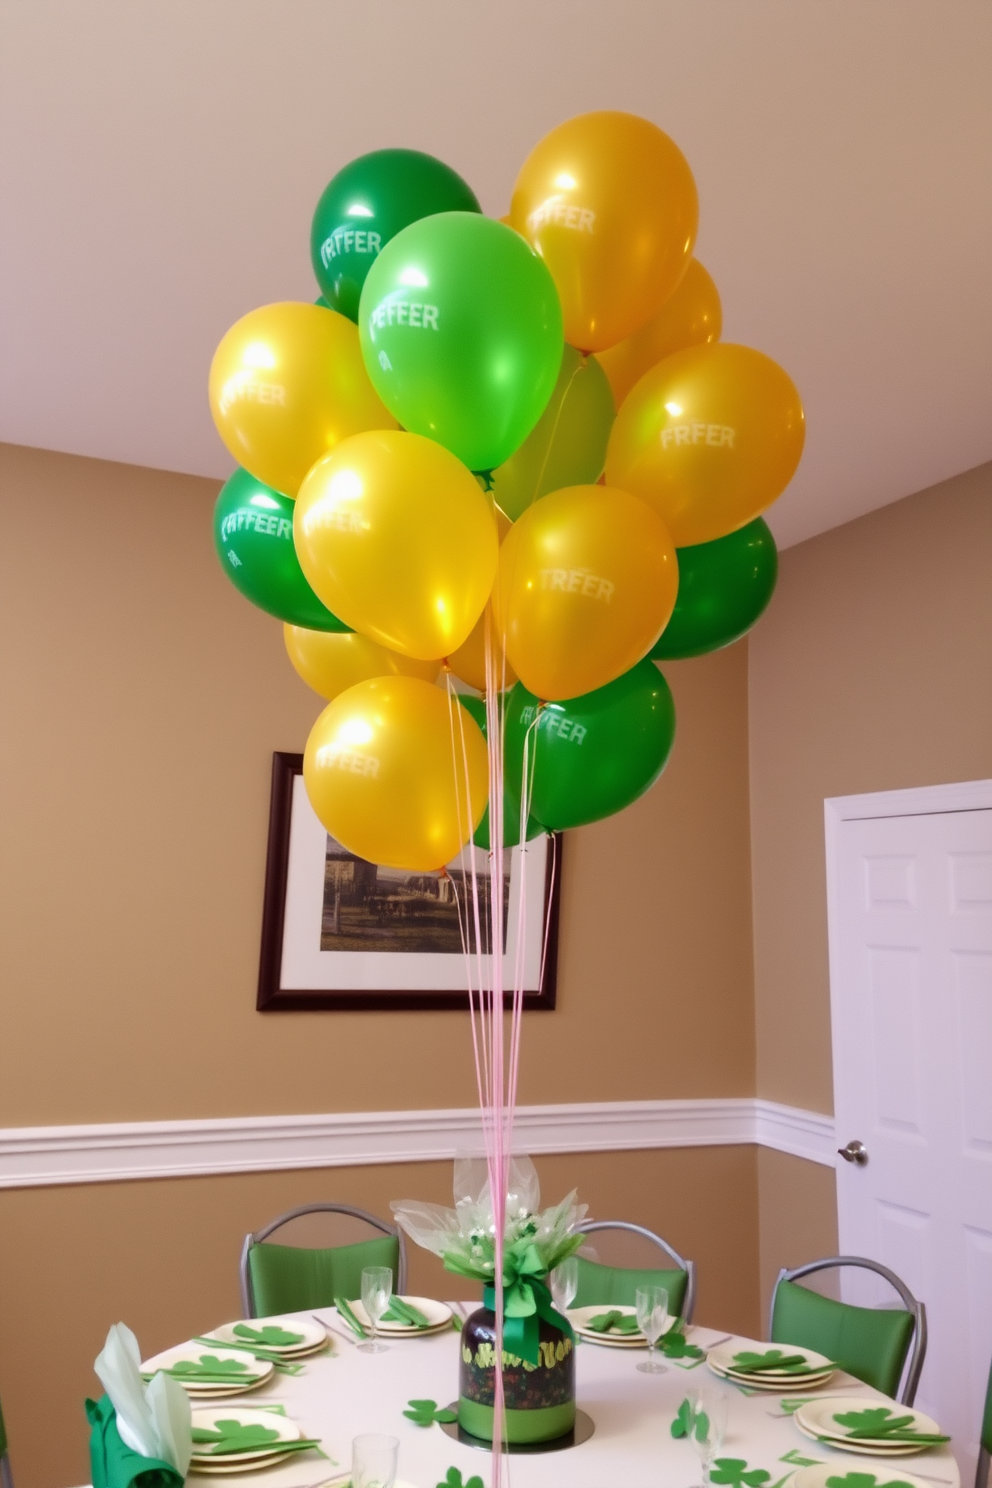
{"x":6,"y":1476}
{"x":616,"y":1285}
{"x":985,"y":1440}
{"x":870,"y":1343}
{"x":295,"y":1278}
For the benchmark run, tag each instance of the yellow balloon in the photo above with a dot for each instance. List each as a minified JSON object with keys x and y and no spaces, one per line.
{"x":397,"y":539}
{"x":385,"y":769}
{"x":608,"y":201}
{"x":692,"y":316}
{"x":330,"y":662}
{"x":287,"y":383}
{"x":587,"y":583}
{"x":709,"y":437}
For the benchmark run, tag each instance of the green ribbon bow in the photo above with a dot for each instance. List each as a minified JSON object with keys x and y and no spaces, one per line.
{"x":526,"y":1299}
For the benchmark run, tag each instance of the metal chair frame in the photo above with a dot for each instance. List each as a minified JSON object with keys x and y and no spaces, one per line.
{"x":6,"y":1476}
{"x":248,"y":1300}
{"x":919,"y":1348}
{"x":982,"y":1470}
{"x":591,"y":1226}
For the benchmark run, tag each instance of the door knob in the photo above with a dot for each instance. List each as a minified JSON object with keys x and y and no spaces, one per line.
{"x":854,"y":1152}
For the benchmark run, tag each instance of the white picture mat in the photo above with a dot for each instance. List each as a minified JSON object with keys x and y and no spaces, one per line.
{"x":306,"y":968}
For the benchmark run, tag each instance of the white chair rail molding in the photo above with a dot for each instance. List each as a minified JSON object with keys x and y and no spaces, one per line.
{"x":48,"y":1156}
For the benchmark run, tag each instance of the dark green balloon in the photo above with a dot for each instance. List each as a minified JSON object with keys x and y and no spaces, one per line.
{"x":723,"y":587}
{"x":253,"y":535}
{"x":367,"y":203}
{"x":511,"y":803}
{"x":595,"y":754}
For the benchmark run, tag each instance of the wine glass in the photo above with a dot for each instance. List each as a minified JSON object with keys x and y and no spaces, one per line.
{"x":651,"y":1305}
{"x":377,"y":1288}
{"x":565,"y":1283}
{"x":373,"y":1458}
{"x":707,"y":1426}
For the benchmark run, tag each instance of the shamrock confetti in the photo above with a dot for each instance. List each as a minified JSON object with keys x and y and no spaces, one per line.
{"x":735,"y":1472}
{"x":453,"y":1479}
{"x":683,"y":1418}
{"x":425,"y":1413}
{"x":271,"y":1334}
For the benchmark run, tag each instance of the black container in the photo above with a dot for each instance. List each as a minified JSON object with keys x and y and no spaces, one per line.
{"x":539,"y":1399}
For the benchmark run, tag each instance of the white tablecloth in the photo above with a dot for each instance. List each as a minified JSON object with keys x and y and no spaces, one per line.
{"x":340,"y":1395}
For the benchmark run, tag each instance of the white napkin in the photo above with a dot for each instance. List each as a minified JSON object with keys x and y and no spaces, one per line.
{"x":153,"y":1419}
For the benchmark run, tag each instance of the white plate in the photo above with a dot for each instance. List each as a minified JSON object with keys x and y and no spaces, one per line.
{"x":580,"y":1317}
{"x":311,"y":1334}
{"x":206,"y":1418}
{"x":438,"y":1315}
{"x":816,"y":1418}
{"x":199,"y":1469}
{"x":774,"y":1387}
{"x":842,"y":1445}
{"x":254,"y":1373}
{"x":723,"y":1356}
{"x":816,"y":1477}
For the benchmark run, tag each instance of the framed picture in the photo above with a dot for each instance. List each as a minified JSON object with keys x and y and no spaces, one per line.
{"x":338,"y":932}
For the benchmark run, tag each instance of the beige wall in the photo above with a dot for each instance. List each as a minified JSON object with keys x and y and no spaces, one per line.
{"x":871,"y":671}
{"x":143,"y":698}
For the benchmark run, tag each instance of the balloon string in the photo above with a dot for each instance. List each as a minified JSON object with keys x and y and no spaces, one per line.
{"x":478,"y":1033}
{"x":579,"y":367}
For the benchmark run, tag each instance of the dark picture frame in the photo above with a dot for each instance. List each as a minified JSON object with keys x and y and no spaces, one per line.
{"x":275,"y":997}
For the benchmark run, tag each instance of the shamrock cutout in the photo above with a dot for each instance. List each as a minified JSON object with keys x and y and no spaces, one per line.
{"x":271,"y":1334}
{"x":680,"y":1426}
{"x":425,"y":1413}
{"x":209,"y":1364}
{"x":232,"y":1436}
{"x":734,"y":1471}
{"x":453,"y":1479}
{"x":873,"y":1421}
{"x":674,"y":1345}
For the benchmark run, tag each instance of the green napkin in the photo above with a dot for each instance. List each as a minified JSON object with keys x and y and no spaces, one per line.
{"x":270,"y":1336}
{"x":399,"y":1311}
{"x":112,"y":1464}
{"x":774,"y":1359}
{"x":613,"y":1322}
{"x":344,"y":1308}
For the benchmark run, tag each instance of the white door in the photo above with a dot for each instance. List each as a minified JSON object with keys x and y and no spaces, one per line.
{"x":910,"y":911}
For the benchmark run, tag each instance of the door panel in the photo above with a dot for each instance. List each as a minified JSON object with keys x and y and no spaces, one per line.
{"x":911,"y":999}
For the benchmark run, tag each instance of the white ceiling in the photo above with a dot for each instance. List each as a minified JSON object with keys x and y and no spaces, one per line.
{"x":161,"y":161}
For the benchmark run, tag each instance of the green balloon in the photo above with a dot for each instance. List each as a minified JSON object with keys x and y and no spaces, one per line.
{"x":368,"y":203}
{"x":593,"y":754}
{"x":723,"y":587}
{"x":253,"y":535}
{"x":567,"y":446}
{"x":461,"y":332}
{"x":511,"y":803}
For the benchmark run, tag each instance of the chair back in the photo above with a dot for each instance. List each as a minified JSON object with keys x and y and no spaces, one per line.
{"x":295,"y":1277}
{"x":630,"y":1247}
{"x":6,"y":1477}
{"x":985,"y":1440}
{"x":870,"y":1343}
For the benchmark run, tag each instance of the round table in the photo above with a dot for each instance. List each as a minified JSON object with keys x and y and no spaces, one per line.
{"x":339,"y":1395}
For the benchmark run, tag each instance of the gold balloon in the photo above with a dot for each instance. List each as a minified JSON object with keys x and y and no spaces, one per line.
{"x":692,"y":316}
{"x":396,"y":538}
{"x":330,"y":662}
{"x":287,"y":383}
{"x":385,"y":770}
{"x":608,"y":201}
{"x":587,"y":583}
{"x":709,"y":437}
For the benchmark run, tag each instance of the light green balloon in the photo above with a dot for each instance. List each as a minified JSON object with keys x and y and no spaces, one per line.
{"x":461,"y":333}
{"x":567,"y":446}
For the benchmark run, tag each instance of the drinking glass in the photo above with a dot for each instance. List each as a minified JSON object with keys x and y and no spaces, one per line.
{"x":373,"y":1458}
{"x":707,"y":1426}
{"x":651,"y":1305}
{"x":377,"y":1288}
{"x":565,"y":1282}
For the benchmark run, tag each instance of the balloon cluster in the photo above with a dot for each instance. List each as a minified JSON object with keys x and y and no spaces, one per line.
{"x":510,"y":449}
